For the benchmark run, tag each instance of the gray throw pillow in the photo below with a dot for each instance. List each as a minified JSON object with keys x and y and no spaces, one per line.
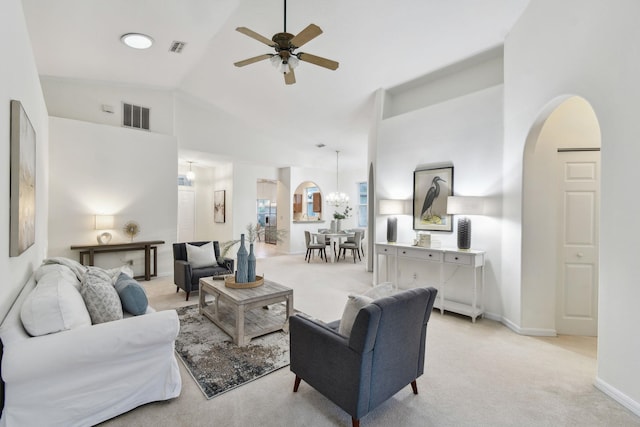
{"x":134,"y":299}
{"x":100,"y":297}
{"x":351,"y":309}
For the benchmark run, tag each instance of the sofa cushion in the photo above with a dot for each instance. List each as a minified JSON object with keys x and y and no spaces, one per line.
{"x":351,"y":309}
{"x":201,"y":256}
{"x":132,"y":296}
{"x":100,"y":297}
{"x":54,"y":305}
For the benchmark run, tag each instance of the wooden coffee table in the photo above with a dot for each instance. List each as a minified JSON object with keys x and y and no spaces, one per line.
{"x":235,"y":310}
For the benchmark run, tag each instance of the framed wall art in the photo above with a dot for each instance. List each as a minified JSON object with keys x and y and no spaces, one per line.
{"x":23,"y":181}
{"x":218,"y":206}
{"x":431,"y":187}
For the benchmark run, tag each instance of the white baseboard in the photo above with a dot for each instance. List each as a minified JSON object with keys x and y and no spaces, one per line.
{"x":532,"y":332}
{"x":617,"y":395}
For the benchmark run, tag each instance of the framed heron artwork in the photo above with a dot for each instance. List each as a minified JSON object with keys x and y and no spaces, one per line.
{"x":431,"y":187}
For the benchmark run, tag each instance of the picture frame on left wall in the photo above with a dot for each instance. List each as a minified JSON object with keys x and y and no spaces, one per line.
{"x":218,"y":206}
{"x":22,"y":181}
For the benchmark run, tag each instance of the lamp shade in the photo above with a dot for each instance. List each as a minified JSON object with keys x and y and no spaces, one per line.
{"x":104,"y":222}
{"x":465,"y":205}
{"x":392,"y":207}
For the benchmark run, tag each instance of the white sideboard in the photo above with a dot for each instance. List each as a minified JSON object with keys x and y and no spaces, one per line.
{"x":394,"y":252}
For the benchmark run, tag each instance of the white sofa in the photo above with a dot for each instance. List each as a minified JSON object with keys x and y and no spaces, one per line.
{"x":88,"y":374}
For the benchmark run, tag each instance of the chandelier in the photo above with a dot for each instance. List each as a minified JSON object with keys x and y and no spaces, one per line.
{"x":337,"y":198}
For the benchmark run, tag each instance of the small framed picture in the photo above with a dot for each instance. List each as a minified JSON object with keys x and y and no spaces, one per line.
{"x":218,"y":206}
{"x":431,"y":187}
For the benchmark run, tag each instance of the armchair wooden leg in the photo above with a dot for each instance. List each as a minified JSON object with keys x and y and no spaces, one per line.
{"x":354,"y":422}
{"x":187,"y":296}
{"x":414,"y":386}
{"x":177,"y":289}
{"x":296,"y":384}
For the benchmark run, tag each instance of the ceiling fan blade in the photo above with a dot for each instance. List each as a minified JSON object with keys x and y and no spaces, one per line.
{"x":311,"y":32}
{"x":290,"y":77}
{"x":252,"y":60}
{"x":318,"y":60}
{"x":256,"y":36}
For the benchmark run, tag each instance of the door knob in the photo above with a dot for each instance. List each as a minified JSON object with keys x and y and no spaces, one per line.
{"x":580,"y":254}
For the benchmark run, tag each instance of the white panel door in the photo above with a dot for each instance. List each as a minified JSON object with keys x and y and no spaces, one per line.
{"x":186,"y":215}
{"x":577,"y":289}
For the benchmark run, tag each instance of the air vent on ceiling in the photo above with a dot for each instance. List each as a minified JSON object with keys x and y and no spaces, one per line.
{"x":176,"y":46}
{"x":134,"y":116}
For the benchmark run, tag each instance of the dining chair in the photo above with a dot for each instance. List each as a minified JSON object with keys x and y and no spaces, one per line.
{"x":350,"y":239}
{"x":354,"y":245}
{"x":311,"y":246}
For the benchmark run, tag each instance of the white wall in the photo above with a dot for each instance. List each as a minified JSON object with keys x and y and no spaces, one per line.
{"x":466,"y":132}
{"x":83,"y":100}
{"x":101,"y":169}
{"x":588,"y":48}
{"x":19,"y":80}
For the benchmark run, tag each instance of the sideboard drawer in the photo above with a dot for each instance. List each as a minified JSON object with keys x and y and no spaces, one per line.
{"x":422,"y":254}
{"x":458,"y":258}
{"x":386,"y":250}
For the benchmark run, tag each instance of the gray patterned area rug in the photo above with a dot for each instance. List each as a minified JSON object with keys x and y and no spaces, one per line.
{"x":216,"y":363}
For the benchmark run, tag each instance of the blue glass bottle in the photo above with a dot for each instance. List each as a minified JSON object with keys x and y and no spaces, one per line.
{"x":251,"y":270}
{"x":241,"y":273}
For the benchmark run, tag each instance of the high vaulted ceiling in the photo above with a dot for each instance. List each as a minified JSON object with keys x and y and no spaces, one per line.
{"x":378,"y":43}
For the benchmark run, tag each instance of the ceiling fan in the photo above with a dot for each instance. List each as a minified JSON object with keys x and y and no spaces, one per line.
{"x":285,"y":59}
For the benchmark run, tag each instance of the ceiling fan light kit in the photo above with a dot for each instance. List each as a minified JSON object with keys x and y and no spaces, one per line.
{"x":285,"y":59}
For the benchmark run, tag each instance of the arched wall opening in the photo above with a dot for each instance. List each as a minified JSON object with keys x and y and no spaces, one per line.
{"x":569,"y":123}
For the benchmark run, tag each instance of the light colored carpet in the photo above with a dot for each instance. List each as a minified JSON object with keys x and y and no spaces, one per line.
{"x":478,"y":374}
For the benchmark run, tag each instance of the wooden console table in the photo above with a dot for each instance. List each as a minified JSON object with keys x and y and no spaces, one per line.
{"x":442,"y":256}
{"x":147,"y":247}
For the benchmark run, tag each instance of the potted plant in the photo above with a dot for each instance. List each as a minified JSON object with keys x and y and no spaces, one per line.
{"x":339,"y":216}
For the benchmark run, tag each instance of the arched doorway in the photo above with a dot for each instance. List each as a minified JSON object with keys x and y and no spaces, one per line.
{"x":567,"y":125}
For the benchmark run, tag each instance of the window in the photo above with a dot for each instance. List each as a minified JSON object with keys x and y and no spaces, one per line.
{"x":363,"y":204}
{"x":134,"y":116}
{"x":312,"y":208}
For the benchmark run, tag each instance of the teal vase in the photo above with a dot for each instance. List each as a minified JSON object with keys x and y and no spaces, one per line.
{"x":243,"y":262}
{"x":251,"y":265}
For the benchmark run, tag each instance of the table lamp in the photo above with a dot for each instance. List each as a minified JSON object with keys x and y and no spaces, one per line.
{"x":465,"y":205}
{"x":392,"y":208}
{"x":104,"y":222}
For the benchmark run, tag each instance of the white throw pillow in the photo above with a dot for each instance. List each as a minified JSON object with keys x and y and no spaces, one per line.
{"x":58,"y":269}
{"x":201,"y":256}
{"x":351,"y":309}
{"x":54,"y":305}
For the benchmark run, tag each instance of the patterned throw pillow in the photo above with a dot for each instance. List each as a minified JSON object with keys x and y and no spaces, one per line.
{"x":100,"y":297}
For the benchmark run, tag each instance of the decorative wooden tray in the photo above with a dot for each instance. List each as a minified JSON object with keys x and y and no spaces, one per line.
{"x":230,"y":282}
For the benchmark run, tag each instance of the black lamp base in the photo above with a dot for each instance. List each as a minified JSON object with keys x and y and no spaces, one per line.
{"x":464,"y":233}
{"x":392,"y":229}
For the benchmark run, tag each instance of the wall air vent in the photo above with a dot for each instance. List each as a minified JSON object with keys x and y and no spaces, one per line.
{"x":176,"y":46}
{"x":134,"y":116}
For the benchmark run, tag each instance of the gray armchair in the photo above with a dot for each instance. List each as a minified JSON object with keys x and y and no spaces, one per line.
{"x":187,"y":278}
{"x":384,"y":353}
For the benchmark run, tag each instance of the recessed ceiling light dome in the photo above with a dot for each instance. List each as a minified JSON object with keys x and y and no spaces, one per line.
{"x":137,"y":40}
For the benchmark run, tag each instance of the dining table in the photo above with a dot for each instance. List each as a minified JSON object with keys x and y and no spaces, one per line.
{"x":333,"y":238}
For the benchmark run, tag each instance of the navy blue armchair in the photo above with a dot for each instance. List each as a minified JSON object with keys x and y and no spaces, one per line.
{"x":384,"y":353}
